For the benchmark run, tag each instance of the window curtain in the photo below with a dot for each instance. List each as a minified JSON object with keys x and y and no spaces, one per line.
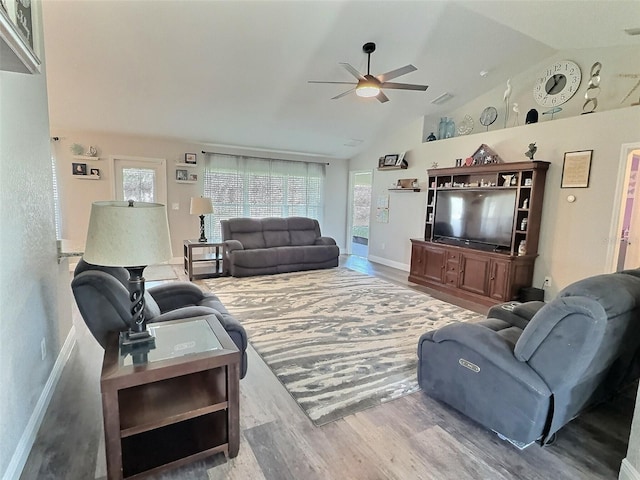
{"x":259,"y":187}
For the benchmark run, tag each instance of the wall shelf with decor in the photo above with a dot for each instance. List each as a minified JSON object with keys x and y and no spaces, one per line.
{"x":85,"y":157}
{"x":15,"y":53}
{"x":450,"y":260}
{"x":87,"y":177}
{"x":188,"y":165}
{"x":393,"y":167}
{"x":186,"y":181}
{"x":404,"y":189}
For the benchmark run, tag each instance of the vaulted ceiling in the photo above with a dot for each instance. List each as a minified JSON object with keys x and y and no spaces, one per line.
{"x":236,"y":72}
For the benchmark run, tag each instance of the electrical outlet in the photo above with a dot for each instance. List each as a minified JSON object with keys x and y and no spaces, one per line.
{"x":547,"y":282}
{"x":43,"y":348}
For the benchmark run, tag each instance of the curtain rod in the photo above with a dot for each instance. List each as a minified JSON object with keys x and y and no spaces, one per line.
{"x":259,"y":158}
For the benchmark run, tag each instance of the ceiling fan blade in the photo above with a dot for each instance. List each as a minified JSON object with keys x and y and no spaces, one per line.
{"x":353,"y":71}
{"x":396,"y":73}
{"x":404,"y":86}
{"x":340,"y":83}
{"x":382,"y":98}
{"x":343,"y":94}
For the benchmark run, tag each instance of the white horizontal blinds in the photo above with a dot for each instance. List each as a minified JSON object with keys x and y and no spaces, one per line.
{"x":56,"y":197}
{"x":259,"y":187}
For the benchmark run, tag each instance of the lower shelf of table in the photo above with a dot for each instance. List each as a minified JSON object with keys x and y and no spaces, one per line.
{"x":175,"y":444}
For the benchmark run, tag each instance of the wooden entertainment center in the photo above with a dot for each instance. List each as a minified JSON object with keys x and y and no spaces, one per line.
{"x":478,"y":272}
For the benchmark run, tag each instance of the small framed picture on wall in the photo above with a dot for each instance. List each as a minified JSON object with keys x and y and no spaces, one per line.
{"x":95,"y":172}
{"x":190,"y":158}
{"x":181,"y":175}
{"x":193,"y":177}
{"x":79,"y":168}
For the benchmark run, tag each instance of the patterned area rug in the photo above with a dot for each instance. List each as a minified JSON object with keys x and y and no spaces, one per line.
{"x":338,"y":340}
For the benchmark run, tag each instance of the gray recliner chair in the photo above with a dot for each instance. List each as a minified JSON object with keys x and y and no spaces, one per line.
{"x":529,"y":369}
{"x":103,"y":300}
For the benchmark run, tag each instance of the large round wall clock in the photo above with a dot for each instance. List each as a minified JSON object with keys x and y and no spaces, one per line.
{"x":557,"y":83}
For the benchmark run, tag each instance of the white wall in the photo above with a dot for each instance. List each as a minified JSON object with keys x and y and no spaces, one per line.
{"x":575,"y":237}
{"x":77,"y":195}
{"x":35,"y":299}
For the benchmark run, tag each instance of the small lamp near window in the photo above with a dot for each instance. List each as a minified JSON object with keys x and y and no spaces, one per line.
{"x":201,"y":206}
{"x":130,"y":235}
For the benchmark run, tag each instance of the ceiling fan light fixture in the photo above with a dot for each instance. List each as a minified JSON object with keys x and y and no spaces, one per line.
{"x":367,"y":91}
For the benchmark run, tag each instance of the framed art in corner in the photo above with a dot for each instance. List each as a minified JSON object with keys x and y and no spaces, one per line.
{"x":190,"y":158}
{"x":576,"y":169}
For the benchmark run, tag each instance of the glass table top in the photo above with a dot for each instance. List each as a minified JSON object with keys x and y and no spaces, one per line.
{"x":172,"y":340}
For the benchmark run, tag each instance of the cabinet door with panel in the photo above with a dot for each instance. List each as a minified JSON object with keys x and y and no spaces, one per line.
{"x":474,"y":269}
{"x":434,"y":259}
{"x":417,"y":260}
{"x":499,"y":280}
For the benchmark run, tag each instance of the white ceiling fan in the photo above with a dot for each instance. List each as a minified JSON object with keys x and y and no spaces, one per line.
{"x":372,"y":85}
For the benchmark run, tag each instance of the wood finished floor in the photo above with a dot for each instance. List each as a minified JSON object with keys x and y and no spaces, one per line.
{"x":413,"y":437}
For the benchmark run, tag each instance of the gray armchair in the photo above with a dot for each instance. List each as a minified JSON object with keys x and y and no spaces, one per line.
{"x":530,"y":369}
{"x":103,"y":300}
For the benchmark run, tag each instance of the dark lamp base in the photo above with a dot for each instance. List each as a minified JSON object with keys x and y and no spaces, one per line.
{"x":130,"y":338}
{"x":202,"y":238}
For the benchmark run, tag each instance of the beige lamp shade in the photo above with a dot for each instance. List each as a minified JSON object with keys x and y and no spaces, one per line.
{"x":200,"y":206}
{"x":127,"y":234}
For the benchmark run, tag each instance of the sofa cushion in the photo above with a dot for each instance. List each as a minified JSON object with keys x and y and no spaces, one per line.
{"x":276,"y":232}
{"x":320,"y":253}
{"x":255,"y":258}
{"x":290,"y":255}
{"x":250,"y":240}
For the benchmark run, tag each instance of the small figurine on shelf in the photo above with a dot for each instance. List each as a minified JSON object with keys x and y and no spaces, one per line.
{"x":431,"y":137}
{"x":92,"y":152}
{"x":532,"y":150}
{"x":525,"y":204}
{"x":522,"y":248}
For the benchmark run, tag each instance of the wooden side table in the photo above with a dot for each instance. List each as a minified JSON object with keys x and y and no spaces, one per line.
{"x":173,"y":404}
{"x":210,"y":263}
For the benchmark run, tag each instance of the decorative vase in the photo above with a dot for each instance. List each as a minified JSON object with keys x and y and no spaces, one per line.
{"x":450,"y":129}
{"x":442,"y":128}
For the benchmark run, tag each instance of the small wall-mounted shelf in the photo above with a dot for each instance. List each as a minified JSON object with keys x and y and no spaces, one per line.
{"x":85,"y":157}
{"x":186,"y":181}
{"x":188,"y":165}
{"x":87,"y":177}
{"x":404,"y":189}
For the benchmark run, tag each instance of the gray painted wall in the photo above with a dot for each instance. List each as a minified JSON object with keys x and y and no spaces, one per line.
{"x":34,"y":305}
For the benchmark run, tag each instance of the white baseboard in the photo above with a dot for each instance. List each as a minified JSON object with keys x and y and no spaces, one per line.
{"x":628,"y":471}
{"x":389,"y":263}
{"x":28,"y":437}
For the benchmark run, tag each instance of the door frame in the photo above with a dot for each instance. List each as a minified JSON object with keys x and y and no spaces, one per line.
{"x":352,"y":183}
{"x":161,"y":196}
{"x":613,"y":248}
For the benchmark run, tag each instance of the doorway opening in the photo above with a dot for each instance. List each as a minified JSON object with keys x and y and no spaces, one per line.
{"x":360,"y":212}
{"x":626,"y":236}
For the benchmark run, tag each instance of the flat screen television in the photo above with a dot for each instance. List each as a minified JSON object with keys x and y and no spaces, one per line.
{"x":475,"y":215}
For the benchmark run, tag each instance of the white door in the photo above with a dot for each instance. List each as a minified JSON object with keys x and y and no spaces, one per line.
{"x":140,"y":179}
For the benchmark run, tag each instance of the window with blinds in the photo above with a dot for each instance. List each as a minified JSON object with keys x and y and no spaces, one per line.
{"x":56,"y":199}
{"x":256,"y":187}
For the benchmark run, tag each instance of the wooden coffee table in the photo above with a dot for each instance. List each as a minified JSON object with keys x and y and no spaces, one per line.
{"x":175,"y":403}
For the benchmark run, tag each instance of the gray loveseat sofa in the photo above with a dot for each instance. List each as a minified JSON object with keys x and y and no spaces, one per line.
{"x":260,"y":246}
{"x":528,"y":369}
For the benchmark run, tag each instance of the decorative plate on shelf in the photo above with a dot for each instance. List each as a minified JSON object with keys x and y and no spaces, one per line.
{"x":488,"y":116}
{"x":466,"y":126}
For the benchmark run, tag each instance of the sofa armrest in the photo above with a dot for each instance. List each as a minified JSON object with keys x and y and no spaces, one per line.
{"x":515,"y":313}
{"x":492,"y":348}
{"x":233,"y":245}
{"x":325,"y":241}
{"x":170,"y":296}
{"x":182,"y":313}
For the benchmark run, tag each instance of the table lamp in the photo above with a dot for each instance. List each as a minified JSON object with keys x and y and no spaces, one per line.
{"x":201,"y":206}
{"x":130,"y":235}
